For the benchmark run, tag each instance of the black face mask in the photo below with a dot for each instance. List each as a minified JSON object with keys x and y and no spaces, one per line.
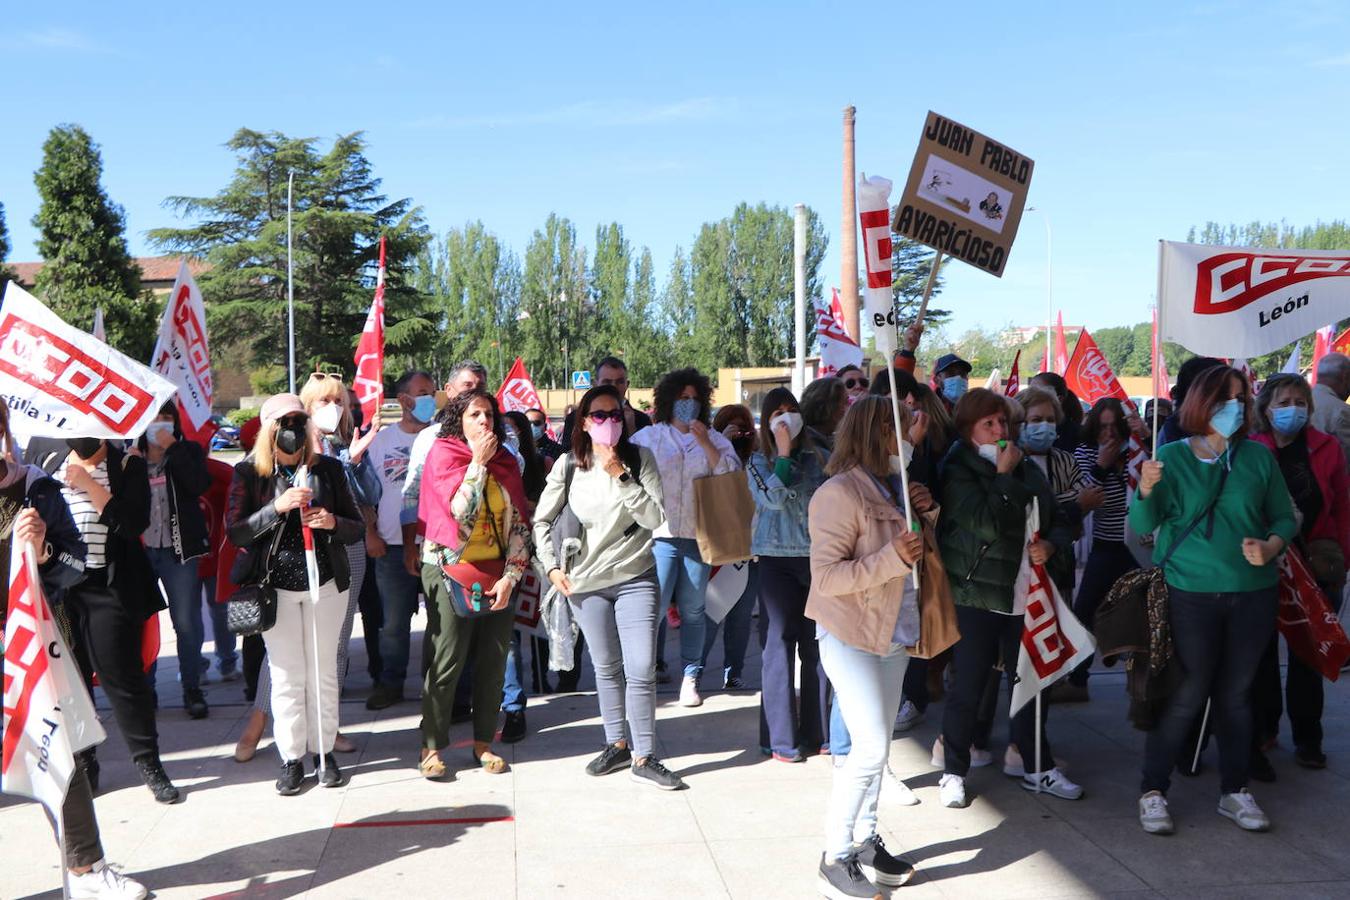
{"x":84,"y":447}
{"x":291,"y":438}
{"x":743,"y":444}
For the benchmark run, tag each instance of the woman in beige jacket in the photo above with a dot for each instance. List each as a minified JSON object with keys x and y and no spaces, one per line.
{"x":867,"y":613}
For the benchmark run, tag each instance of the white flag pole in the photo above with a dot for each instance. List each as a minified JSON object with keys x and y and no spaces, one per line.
{"x":312,"y":572}
{"x":290,"y":280}
{"x":910,"y":524}
{"x":1037,"y":761}
{"x":1158,"y":314}
{"x":1200,"y":741}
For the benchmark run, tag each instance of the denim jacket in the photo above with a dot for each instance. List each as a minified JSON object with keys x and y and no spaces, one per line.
{"x":781,"y":509}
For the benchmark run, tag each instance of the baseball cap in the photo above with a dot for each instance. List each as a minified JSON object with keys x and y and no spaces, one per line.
{"x":279,"y":405}
{"x":949,"y":360}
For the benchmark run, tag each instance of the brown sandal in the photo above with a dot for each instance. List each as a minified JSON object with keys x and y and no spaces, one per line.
{"x":431,"y":767}
{"x":490,"y":762}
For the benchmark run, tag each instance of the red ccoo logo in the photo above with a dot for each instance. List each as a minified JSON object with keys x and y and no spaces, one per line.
{"x":36,"y":356}
{"x":1230,"y":281}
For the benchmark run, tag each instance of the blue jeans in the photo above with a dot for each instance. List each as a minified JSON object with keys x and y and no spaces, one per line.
{"x":183,"y":586}
{"x":1218,"y":640}
{"x":684,"y":577}
{"x":398,"y":597}
{"x":513,"y":689}
{"x":840,"y":741}
{"x":867,"y":692}
{"x":227,"y":660}
{"x":735,"y":629}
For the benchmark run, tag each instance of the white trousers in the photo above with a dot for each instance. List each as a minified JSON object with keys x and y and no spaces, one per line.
{"x":305,"y":709}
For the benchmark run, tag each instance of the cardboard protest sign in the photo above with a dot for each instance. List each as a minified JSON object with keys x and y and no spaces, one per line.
{"x":965,"y":195}
{"x":1245,"y":301}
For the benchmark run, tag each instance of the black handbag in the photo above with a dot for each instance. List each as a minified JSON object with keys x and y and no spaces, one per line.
{"x":251,"y":610}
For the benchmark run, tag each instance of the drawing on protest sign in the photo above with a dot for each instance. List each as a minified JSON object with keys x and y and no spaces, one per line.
{"x":965,"y":195}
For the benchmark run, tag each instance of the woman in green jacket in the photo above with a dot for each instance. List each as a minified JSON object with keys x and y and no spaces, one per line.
{"x":1223,"y":515}
{"x":987,"y":491}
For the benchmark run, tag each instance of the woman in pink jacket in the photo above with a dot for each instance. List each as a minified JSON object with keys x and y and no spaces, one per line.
{"x":867,"y":613}
{"x":1313,"y":465}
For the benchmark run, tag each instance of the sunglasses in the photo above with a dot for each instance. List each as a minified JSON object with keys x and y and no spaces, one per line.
{"x":852,"y":383}
{"x":320,"y":376}
{"x":600,"y":416}
{"x":294,"y":419}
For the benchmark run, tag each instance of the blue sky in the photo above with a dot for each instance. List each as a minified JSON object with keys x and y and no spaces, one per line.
{"x":1143,"y":118}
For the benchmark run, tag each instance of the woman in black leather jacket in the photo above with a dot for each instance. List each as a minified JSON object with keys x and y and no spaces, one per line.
{"x":280,"y":486}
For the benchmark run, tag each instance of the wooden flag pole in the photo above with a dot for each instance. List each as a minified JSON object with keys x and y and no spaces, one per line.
{"x":928,"y":288}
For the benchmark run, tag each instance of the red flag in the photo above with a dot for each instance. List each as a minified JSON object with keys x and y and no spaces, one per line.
{"x":183,"y":355}
{"x":1061,"y":346}
{"x":517,"y":391}
{"x":1014,"y":380}
{"x":1321,"y":347}
{"x":1162,"y":384}
{"x":837,"y":308}
{"x":1307,"y":621}
{"x":369,"y":383}
{"x":1089,"y":376}
{"x":837,"y":349}
{"x":1341,"y":343}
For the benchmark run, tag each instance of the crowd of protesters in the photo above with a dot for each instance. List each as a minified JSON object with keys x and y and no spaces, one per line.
{"x":852,"y":492}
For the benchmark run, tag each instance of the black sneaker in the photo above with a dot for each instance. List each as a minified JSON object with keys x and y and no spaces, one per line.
{"x":880,"y":867}
{"x":292,"y":776}
{"x":88,"y":760}
{"x":194,"y":701}
{"x":1260,"y":767}
{"x":611,"y":759}
{"x":330,"y":776}
{"x":655,"y":774}
{"x":513,"y":729}
{"x":384,"y":696}
{"x":1310,"y":757}
{"x":152,"y":773}
{"x":844,"y":880}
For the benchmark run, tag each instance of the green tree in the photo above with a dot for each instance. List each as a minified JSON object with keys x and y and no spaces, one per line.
{"x":718,"y":330}
{"x":557,"y":327}
{"x":6,"y":273}
{"x":646,"y":349}
{"x":1333,"y":235}
{"x":676,"y":315}
{"x":339,"y":216}
{"x":82,"y":243}
{"x":911,"y":263}
{"x":610,"y":290}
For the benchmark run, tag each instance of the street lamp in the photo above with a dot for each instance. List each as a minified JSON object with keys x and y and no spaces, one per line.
{"x":1049,"y":284}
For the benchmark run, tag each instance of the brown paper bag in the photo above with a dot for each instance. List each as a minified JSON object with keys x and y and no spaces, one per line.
{"x":723,"y":509}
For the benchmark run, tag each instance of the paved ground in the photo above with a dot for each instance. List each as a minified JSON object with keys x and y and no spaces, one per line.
{"x":745,"y":828}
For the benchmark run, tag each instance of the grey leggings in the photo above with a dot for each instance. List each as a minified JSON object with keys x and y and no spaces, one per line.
{"x":356,"y":560}
{"x":619,"y":623}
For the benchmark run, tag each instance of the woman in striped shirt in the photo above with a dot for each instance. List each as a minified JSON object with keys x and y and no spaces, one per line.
{"x":1101,"y":456}
{"x":108,"y":493}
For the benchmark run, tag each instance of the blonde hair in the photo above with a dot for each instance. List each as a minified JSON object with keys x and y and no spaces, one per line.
{"x":322,"y":386}
{"x":264,"y":450}
{"x":860,"y":438}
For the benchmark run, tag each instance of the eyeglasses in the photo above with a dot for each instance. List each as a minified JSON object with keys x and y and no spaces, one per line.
{"x":320,"y":376}
{"x":851,"y":383}
{"x":600,"y":416}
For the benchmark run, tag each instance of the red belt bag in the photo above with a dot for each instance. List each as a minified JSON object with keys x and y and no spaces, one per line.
{"x":468,"y":584}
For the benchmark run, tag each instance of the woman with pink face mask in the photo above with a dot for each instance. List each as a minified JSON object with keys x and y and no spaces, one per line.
{"x":605,"y":495}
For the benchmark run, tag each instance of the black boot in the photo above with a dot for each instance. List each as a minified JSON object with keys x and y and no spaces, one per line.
{"x":194,"y":701}
{"x":152,"y":773}
{"x":513,"y":729}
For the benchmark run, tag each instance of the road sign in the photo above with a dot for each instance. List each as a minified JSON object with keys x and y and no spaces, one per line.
{"x":581,"y":381}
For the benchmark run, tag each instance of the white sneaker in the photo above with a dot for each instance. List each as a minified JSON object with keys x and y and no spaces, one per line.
{"x":1012,"y":762}
{"x":908,"y":717}
{"x":1053,"y":782}
{"x":978,"y":758}
{"x":689,"y":695}
{"x":1242,"y":809}
{"x":103,"y":882}
{"x":1153,"y":814}
{"x":952,"y":791}
{"x":903,"y":795}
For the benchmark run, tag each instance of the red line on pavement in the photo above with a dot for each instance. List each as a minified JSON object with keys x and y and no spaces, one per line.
{"x":468,"y":820}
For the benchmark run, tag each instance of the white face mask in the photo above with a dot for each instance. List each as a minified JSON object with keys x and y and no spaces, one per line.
{"x":989,"y":452}
{"x":155,"y":429}
{"x":901,"y":462}
{"x":326,"y":419}
{"x":793,"y":420}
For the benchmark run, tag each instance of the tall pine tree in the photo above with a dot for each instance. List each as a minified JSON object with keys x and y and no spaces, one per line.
{"x":339,"y":216}
{"x":86,"y":263}
{"x":6,"y":274}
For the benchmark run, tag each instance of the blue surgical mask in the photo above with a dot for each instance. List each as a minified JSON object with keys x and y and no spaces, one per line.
{"x":685,"y":410}
{"x":1227,"y":418}
{"x":424,"y":408}
{"x":1289,"y":420}
{"x":953,"y":387}
{"x":1038,"y":437}
{"x":539,"y":431}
